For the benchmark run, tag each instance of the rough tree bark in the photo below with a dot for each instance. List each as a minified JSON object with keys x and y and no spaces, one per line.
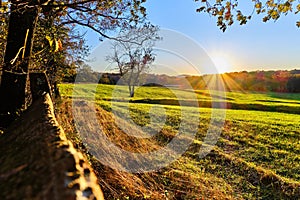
{"x":15,"y":70}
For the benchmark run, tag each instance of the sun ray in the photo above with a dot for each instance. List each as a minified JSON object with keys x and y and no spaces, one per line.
{"x":230,"y":84}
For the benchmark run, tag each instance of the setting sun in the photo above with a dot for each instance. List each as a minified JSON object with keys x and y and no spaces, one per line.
{"x":221,"y":63}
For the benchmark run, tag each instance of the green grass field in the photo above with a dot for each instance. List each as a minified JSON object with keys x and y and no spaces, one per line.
{"x":257,"y":155}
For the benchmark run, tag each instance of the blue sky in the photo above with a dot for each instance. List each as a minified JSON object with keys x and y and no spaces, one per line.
{"x":254,"y":46}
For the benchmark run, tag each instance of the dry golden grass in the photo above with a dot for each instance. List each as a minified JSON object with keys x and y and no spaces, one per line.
{"x":180,"y":180}
{"x":220,"y":175}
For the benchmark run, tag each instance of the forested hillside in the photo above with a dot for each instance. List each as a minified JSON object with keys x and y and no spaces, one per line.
{"x":262,"y":81}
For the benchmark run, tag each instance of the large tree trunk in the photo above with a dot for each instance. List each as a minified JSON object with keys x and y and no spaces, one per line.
{"x":15,"y":74}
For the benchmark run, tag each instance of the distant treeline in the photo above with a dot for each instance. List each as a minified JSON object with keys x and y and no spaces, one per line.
{"x":264,"y":81}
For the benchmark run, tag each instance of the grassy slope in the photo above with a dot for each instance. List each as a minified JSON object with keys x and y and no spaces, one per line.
{"x":256,"y":156}
{"x":286,"y":102}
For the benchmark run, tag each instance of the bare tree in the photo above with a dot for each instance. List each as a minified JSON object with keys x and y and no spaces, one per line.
{"x":133,"y":53}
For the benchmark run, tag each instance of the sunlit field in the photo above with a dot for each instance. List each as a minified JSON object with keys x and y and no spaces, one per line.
{"x":255,"y":157}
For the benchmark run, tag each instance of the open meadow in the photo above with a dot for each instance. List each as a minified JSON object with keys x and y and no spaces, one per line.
{"x":256,"y":155}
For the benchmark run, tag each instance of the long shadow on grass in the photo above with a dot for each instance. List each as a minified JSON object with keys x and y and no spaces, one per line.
{"x":208,"y":104}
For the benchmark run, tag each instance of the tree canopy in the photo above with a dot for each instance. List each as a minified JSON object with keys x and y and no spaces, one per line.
{"x":228,"y":11}
{"x":37,"y":29}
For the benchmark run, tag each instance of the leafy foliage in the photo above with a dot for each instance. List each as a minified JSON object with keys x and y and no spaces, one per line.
{"x":57,"y":49}
{"x":100,"y":16}
{"x":227,"y":11}
{"x":3,"y":29}
{"x":58,"y":45}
